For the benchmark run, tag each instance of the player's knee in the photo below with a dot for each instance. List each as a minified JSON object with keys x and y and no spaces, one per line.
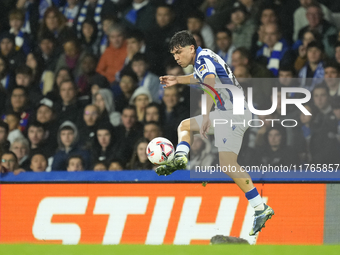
{"x":184,"y":126}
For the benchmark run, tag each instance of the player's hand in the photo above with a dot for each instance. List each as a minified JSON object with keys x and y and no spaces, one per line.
{"x":168,"y":80}
{"x":206,"y":123}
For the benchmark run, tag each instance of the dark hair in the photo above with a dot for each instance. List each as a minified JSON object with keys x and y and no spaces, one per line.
{"x":182,"y":39}
{"x":12,"y":153}
{"x":139,"y":57}
{"x":73,"y":40}
{"x":4,"y":125}
{"x":69,"y":81}
{"x":201,"y":37}
{"x":282,"y":132}
{"x":39,"y":153}
{"x":116,"y":160}
{"x":22,"y":89}
{"x":153,"y":123}
{"x":316,"y":34}
{"x":224,"y":30}
{"x":37,"y":124}
{"x":47,"y":36}
{"x":15,"y":114}
{"x":128,"y":72}
{"x":130,"y":107}
{"x":157,"y":106}
{"x":134,"y":159}
{"x":337,"y":44}
{"x":287,"y":68}
{"x":95,"y":30}
{"x":75,"y":156}
{"x":24,"y":69}
{"x":100,"y":162}
{"x":243,"y":51}
{"x":17,"y":14}
{"x":196,"y":14}
{"x":333,"y":64}
{"x":316,"y":44}
{"x":137,"y":34}
{"x":67,"y":127}
{"x":320,"y":86}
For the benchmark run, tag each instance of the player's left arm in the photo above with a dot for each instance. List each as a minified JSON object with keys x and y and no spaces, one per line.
{"x":206,"y":123}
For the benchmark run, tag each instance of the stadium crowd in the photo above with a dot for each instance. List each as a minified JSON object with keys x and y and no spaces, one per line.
{"x":80,"y":79}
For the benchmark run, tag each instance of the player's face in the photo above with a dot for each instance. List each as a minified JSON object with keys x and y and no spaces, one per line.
{"x":38,"y":163}
{"x":274,"y":138}
{"x":90,"y":115}
{"x":223,"y":41}
{"x":44,"y":114}
{"x":104,"y":137}
{"x":128,"y":118}
{"x":184,"y":56}
{"x":314,"y":55}
{"x":67,"y":137}
{"x":320,"y":98}
{"x":285,"y":77}
{"x":331,"y":75}
{"x":141,"y":152}
{"x":75,"y":165}
{"x":163,"y":16}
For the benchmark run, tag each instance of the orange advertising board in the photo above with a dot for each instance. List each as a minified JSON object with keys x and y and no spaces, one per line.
{"x":156,"y":213}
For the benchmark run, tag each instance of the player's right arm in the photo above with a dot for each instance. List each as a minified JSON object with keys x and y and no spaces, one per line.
{"x":170,"y":80}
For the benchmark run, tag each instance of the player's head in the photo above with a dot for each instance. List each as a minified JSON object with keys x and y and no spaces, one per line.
{"x":183,"y":47}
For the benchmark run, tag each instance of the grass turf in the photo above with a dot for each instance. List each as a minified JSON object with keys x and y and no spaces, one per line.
{"x":28,"y":249}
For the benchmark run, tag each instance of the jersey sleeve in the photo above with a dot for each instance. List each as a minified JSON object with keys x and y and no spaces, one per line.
{"x":204,"y":67}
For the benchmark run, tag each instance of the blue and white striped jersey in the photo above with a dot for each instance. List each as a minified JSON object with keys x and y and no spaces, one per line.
{"x":208,"y":62}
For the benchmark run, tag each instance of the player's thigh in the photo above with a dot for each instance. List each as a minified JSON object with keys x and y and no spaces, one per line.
{"x":190,"y":124}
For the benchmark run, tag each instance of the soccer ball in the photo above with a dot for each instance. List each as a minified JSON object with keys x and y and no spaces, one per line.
{"x":160,"y":151}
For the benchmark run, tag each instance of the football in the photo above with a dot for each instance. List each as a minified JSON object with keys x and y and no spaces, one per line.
{"x":160,"y":151}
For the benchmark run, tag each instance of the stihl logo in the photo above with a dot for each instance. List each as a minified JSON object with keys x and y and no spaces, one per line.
{"x":118,"y":209}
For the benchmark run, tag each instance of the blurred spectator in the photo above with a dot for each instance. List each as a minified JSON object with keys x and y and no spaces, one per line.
{"x":135,"y":44}
{"x":4,"y":143}
{"x":196,"y":24}
{"x":199,"y":39}
{"x":108,"y":22}
{"x":96,"y":83}
{"x":152,"y":130}
{"x":75,"y":163}
{"x":139,"y":160}
{"x":336,"y":112}
{"x":153,"y":113}
{"x":200,"y":152}
{"x":225,"y":45}
{"x":36,"y":135}
{"x":128,"y":84}
{"x":332,"y":78}
{"x":49,"y":52}
{"x":36,"y":63}
{"x":99,"y":166}
{"x":127,"y":134}
{"x":146,"y":78}
{"x":117,"y":50}
{"x":87,"y":129}
{"x":96,"y":10}
{"x":6,"y":78}
{"x":323,"y":144}
{"x":308,"y":37}
{"x":275,"y":51}
{"x":61,"y":75}
{"x":316,"y":22}
{"x":89,"y":37}
{"x":116,"y":165}
{"x":24,"y":78}
{"x":337,"y":52}
{"x":305,"y":122}
{"x":275,"y":152}
{"x":39,"y":163}
{"x":32,"y":16}
{"x":103,"y":99}
{"x":20,"y":147}
{"x":241,"y":27}
{"x":20,"y":104}
{"x":55,"y":23}
{"x":7,"y":47}
{"x":16,"y":22}
{"x":13,"y":121}
{"x":70,"y":11}
{"x":68,"y":138}
{"x":88,"y":70}
{"x":68,"y":107}
{"x":301,"y":17}
{"x":103,"y":147}
{"x":139,"y":15}
{"x":159,"y":36}
{"x":9,"y":161}
{"x":72,"y":57}
{"x":141,"y":98}
{"x":313,"y":72}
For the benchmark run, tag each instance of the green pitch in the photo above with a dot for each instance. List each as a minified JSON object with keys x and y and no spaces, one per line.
{"x":26,"y":249}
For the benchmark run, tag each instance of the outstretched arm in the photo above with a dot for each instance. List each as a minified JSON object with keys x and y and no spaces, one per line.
{"x":170,"y":80}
